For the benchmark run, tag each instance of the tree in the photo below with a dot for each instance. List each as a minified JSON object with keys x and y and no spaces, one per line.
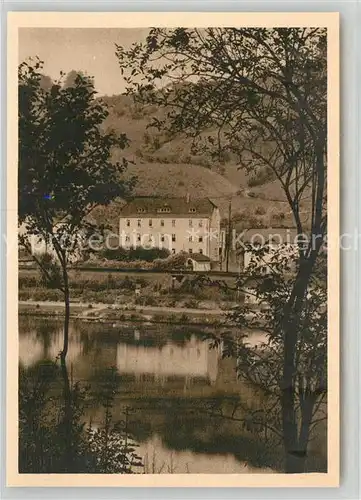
{"x":260,"y":95}
{"x":261,"y":311}
{"x":65,"y":169}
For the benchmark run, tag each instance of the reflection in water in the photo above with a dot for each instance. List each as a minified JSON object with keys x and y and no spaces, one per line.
{"x":169,"y":378}
{"x":34,"y":348}
{"x":160,"y":460}
{"x":194,"y":359}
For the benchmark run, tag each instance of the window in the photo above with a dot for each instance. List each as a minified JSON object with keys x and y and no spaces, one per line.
{"x":128,"y":222}
{"x":138,"y":237}
{"x":201,"y":251}
{"x":162,"y":237}
{"x":200,"y":239}
{"x":173,"y":223}
{"x":162,"y":223}
{"x":192,"y":209}
{"x":190,"y":223}
{"x":200,"y":223}
{"x":127,"y":237}
{"x":190,"y":250}
{"x":150,"y":223}
{"x":173,"y":237}
{"x":190,"y":238}
{"x":139,"y":222}
{"x":140,"y":210}
{"x":173,"y":250}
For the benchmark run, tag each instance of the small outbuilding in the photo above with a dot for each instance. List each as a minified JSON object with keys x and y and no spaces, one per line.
{"x":198,"y":262}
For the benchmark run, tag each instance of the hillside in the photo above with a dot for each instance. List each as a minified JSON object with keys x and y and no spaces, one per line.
{"x":175,"y":180}
{"x":166,"y":167}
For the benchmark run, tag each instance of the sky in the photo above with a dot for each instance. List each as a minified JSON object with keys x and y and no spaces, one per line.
{"x":91,"y":50}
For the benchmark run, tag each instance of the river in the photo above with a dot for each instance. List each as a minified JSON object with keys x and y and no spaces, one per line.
{"x":176,"y":391}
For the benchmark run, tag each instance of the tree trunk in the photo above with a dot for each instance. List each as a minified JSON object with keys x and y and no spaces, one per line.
{"x":295,"y":462}
{"x":68,"y":458}
{"x":294,"y":457}
{"x":297,"y":455}
{"x":66,"y":313}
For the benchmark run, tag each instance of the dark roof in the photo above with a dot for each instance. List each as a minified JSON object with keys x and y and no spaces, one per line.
{"x":168,"y":207}
{"x":198,"y":257}
{"x":276,"y":234}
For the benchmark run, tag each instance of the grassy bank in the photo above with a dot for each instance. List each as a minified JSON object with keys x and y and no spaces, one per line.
{"x":105,"y":313}
{"x":131,"y":290}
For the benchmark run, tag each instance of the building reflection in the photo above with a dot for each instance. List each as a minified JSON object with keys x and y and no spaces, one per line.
{"x":145,"y":360}
{"x":192,"y":360}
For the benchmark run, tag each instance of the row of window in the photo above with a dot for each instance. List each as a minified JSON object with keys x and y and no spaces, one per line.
{"x":164,"y":210}
{"x":150,"y":223}
{"x":162,"y":238}
{"x":190,"y":250}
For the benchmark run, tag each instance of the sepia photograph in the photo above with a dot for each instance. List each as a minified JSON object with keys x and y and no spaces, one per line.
{"x":175,"y":283}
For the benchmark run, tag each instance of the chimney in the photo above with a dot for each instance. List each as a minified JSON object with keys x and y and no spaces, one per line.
{"x":187,"y":198}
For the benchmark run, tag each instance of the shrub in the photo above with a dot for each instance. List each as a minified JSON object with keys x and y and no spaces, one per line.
{"x":28,"y":282}
{"x":115,"y":253}
{"x":149,"y":255}
{"x":191,"y":304}
{"x":50,"y":271}
{"x":184,"y":318}
{"x":147,"y":300}
{"x":260,"y":210}
{"x":134,"y":254}
{"x":41,"y":294}
{"x":261,"y":177}
{"x":176,"y":261}
{"x":60,"y":442}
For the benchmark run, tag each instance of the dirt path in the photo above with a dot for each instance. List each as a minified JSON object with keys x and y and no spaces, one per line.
{"x":100,"y":306}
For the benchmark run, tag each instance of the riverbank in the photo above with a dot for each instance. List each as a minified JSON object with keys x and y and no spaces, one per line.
{"x":123,"y":312}
{"x":154,"y":290}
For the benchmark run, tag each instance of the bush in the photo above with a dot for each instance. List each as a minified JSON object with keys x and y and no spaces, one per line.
{"x":115,"y":253}
{"x":176,"y":261}
{"x":147,"y":300}
{"x":50,"y":271}
{"x":60,"y":442}
{"x":261,"y":177}
{"x":191,"y":304}
{"x":134,"y":254}
{"x":260,"y":210}
{"x":28,"y":282}
{"x":184,"y":318}
{"x":41,"y":294}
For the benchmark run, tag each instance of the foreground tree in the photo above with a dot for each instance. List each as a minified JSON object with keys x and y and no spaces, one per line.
{"x":258,"y":96}
{"x":65,"y":170}
{"x":262,"y":365}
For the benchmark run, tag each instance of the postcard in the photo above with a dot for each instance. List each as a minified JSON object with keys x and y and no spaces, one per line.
{"x":173,"y":249}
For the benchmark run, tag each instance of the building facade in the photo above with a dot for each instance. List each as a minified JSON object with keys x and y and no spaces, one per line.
{"x":281,"y":242}
{"x":177,"y":224}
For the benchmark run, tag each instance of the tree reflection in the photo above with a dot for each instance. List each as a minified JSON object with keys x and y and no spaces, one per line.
{"x":53,"y":434}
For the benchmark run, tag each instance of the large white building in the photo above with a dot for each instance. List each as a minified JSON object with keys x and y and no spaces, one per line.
{"x":177,"y":224}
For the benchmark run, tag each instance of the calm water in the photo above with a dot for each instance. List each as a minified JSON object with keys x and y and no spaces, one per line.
{"x":172,"y":384}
